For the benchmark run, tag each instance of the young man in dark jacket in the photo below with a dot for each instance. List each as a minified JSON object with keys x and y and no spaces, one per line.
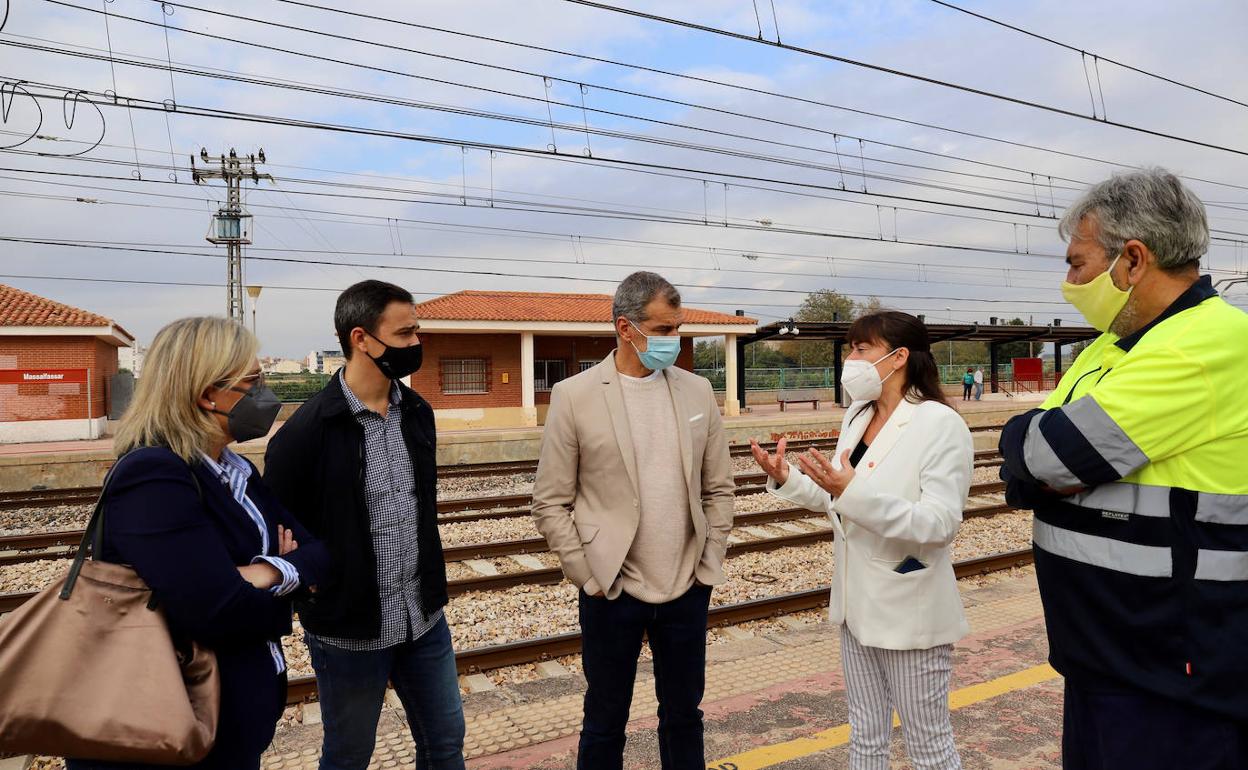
{"x":356,"y":465}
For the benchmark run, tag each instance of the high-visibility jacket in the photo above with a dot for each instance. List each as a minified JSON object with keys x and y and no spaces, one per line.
{"x":1137,"y":469}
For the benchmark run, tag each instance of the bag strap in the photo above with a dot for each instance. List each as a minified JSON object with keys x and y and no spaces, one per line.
{"x":93,"y":535}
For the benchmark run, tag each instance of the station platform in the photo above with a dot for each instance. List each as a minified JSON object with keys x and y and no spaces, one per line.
{"x":67,"y":464}
{"x":773,"y":700}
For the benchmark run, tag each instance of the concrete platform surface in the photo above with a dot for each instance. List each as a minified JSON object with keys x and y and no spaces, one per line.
{"x":773,"y":701}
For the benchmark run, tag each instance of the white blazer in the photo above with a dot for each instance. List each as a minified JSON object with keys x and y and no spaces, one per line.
{"x":906,"y":499}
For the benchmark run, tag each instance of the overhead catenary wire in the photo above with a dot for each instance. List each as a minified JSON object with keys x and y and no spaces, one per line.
{"x":973,"y":217}
{"x":547,"y":78}
{"x":641,"y":166}
{"x":553,"y":148}
{"x":735,"y":86}
{"x":693,"y":221}
{"x":517,"y":232}
{"x":236,"y":40}
{"x":620,"y":215}
{"x":1097,"y":56}
{"x":495,"y":273}
{"x":908,"y":75}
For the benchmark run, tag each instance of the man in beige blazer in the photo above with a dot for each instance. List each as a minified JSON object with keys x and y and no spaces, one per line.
{"x":634,"y":493}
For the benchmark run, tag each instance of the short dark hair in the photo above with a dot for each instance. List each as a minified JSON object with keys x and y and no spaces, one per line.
{"x":362,"y":305}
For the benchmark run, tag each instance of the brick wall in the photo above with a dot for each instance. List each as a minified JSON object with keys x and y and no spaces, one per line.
{"x":503,"y":353}
{"x":55,"y":401}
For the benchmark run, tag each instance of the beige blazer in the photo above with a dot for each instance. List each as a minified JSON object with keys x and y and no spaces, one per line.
{"x":906,"y":499}
{"x":586,"y":500}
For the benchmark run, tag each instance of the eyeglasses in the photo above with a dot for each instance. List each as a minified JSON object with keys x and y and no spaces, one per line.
{"x":256,"y":380}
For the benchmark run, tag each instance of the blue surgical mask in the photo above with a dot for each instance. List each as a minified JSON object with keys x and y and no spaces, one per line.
{"x":660,"y":352}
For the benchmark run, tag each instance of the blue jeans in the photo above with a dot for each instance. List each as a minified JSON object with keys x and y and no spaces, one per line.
{"x":611,"y":634}
{"x":352,"y":685}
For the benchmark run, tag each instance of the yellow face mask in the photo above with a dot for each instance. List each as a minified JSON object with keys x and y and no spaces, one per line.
{"x":1099,"y":300}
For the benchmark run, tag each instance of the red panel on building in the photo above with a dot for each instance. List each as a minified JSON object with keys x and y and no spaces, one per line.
{"x":1029,"y":371}
{"x":36,"y":376}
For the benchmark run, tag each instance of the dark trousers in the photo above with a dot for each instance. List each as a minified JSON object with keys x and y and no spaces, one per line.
{"x":1140,"y":731}
{"x":352,"y":685}
{"x":966,"y":392}
{"x":611,"y":635}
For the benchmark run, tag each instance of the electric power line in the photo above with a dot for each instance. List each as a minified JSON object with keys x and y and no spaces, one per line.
{"x":903,"y":74}
{"x":738,"y":87}
{"x":1100,"y":57}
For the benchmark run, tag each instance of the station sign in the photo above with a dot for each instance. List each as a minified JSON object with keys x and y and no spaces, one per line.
{"x":41,"y":376}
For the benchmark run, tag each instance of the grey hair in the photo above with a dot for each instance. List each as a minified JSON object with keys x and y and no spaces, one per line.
{"x":1151,"y":206}
{"x":638,"y":290}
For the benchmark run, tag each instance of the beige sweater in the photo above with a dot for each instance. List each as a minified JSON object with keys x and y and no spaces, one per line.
{"x":660,"y":564}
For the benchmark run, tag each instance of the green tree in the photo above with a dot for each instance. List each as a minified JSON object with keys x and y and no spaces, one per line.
{"x":1013,"y":349}
{"x":824,"y":305}
{"x":708,"y":353}
{"x":827,"y":305}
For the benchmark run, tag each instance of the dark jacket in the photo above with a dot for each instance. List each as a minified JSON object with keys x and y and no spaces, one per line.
{"x":187,"y":546}
{"x":315,"y":464}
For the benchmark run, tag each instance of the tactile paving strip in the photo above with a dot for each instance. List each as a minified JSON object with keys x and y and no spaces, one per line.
{"x":526,"y":724}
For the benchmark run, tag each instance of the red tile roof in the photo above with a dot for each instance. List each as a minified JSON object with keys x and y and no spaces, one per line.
{"x":21,"y":308}
{"x":544,"y":306}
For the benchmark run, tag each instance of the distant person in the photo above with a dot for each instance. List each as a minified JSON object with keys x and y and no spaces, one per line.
{"x":357,"y":465}
{"x":1135,"y":469}
{"x":634,"y":493}
{"x":968,"y":381}
{"x":219,"y":551}
{"x":895,"y":490}
{"x":979,"y":383}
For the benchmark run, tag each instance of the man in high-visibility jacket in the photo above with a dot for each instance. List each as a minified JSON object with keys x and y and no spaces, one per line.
{"x":1137,"y":469}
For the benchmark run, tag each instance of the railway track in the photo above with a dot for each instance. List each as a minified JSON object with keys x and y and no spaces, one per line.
{"x":43,"y":546}
{"x":48,"y":498}
{"x":553,"y":575}
{"x":469,"y":508}
{"x":303,"y":688}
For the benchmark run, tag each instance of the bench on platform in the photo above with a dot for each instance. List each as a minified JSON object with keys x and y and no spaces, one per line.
{"x":807,"y":396}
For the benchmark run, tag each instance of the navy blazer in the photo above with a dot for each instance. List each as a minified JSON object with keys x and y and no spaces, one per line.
{"x":188,"y":550}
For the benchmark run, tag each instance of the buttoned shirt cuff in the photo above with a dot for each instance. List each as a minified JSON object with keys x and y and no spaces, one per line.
{"x":290,"y":575}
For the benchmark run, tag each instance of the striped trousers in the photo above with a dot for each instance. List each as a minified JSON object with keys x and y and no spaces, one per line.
{"x":916,"y":684}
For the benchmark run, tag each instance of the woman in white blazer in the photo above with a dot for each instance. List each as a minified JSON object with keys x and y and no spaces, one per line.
{"x":894,"y":490}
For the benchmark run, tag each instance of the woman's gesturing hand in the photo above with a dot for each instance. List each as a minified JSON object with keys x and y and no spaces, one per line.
{"x":820,"y":470}
{"x":774,"y":465}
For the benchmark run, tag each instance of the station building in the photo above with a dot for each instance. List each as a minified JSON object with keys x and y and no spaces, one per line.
{"x":56,"y":368}
{"x":492,"y":357}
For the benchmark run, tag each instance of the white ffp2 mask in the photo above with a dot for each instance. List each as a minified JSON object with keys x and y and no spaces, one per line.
{"x":861,"y":380}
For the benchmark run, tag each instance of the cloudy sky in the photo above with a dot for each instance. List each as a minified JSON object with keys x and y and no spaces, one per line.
{"x":745,"y":197}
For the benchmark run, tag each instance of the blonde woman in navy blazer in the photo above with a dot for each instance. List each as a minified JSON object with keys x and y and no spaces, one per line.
{"x":194,"y":519}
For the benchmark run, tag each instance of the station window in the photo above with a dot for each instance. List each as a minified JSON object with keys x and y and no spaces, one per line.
{"x":587,"y":365}
{"x":463,"y":376}
{"x":547,"y":373}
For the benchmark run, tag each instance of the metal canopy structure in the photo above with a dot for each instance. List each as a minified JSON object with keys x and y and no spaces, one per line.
{"x":992,"y":333}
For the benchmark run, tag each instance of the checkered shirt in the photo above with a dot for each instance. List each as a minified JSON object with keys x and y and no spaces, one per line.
{"x":390,"y":494}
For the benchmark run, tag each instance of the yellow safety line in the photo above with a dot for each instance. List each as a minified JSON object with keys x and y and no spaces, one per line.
{"x":766,"y":756}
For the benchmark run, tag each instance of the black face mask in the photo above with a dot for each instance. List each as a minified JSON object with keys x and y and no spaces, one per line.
{"x":397,"y":363}
{"x":254,"y":414}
